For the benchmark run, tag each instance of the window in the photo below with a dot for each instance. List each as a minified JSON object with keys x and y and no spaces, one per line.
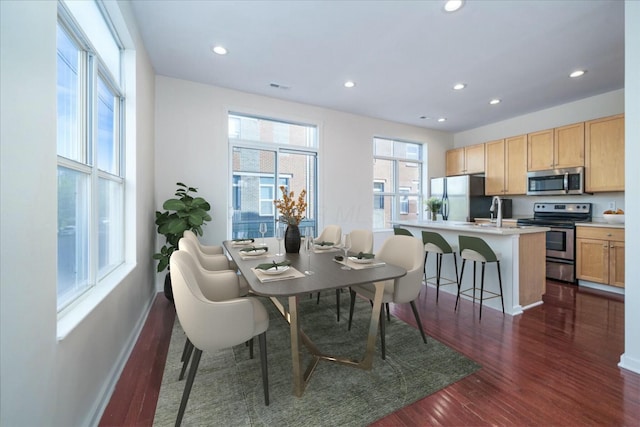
{"x":397,"y":177}
{"x":404,"y":200}
{"x":264,"y":152}
{"x":90,"y":129}
{"x":378,"y":200}
{"x":267,"y":194}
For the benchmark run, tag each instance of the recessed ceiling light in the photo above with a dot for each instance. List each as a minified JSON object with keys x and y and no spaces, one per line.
{"x":459,"y":86}
{"x":495,"y":101}
{"x":425,"y":117}
{"x":220,"y":50}
{"x":349,"y":84}
{"x":577,"y":73}
{"x":453,"y":5}
{"x":442,"y":119}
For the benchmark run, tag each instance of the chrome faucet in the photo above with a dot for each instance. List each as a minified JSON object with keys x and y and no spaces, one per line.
{"x":499,"y":214}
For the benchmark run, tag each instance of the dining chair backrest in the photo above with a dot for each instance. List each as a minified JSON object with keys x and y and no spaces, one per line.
{"x":361,"y":241}
{"x":207,"y":249}
{"x":399,"y":231}
{"x":406,"y":252}
{"x":208,"y":262}
{"x":211,"y":325}
{"x":331,"y":233}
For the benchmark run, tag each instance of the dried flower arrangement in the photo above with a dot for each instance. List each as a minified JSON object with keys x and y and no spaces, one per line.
{"x":291,"y":210}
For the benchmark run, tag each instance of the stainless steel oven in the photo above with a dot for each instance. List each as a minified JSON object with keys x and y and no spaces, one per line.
{"x":561,"y":253}
{"x":561,"y":238}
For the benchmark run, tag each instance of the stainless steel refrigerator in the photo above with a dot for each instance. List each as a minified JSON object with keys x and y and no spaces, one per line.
{"x":463,"y":197}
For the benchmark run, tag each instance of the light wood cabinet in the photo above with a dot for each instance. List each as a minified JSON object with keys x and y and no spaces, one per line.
{"x":568,"y":150}
{"x":465,"y":160}
{"x":506,"y":166}
{"x":600,"y":255}
{"x":557,"y":148}
{"x":540,"y":150}
{"x":604,"y":154}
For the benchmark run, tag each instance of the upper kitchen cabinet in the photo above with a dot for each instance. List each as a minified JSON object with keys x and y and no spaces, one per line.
{"x":557,"y":148}
{"x":465,"y":160}
{"x":604,"y":154}
{"x":506,"y":166}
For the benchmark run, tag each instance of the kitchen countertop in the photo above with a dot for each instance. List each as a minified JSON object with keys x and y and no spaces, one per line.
{"x":474,"y":227}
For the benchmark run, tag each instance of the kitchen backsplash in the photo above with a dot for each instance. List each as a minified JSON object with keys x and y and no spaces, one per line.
{"x":523,"y":205}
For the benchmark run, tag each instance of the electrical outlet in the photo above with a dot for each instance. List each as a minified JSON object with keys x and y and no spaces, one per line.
{"x":612,"y":206}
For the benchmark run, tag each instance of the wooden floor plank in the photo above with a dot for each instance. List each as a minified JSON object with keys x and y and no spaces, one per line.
{"x":554,"y":365}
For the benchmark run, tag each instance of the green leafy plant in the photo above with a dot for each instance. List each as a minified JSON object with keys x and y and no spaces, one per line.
{"x":183,"y":213}
{"x":433,"y":204}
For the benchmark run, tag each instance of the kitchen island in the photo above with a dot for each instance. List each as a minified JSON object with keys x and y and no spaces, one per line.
{"x":522,"y":256}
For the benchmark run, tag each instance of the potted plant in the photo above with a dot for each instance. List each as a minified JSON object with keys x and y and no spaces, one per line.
{"x":182,"y":213}
{"x":434,"y":204}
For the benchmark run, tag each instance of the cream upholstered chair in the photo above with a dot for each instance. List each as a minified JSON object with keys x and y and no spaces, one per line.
{"x":331,"y":233}
{"x":361,"y":241}
{"x":211,"y":262}
{"x":214,"y":325}
{"x":205,"y":249}
{"x":225,"y":287}
{"x":405,"y":252}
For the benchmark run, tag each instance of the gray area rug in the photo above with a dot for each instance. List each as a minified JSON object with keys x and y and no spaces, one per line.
{"x":227,"y":390}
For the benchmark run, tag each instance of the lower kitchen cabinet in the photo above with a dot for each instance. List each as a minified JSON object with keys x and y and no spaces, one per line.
{"x":600,"y":255}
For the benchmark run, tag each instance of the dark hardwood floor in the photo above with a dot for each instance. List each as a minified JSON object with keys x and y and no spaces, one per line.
{"x":554,"y":365}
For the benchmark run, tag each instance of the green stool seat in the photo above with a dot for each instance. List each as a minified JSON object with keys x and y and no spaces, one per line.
{"x":435,"y":243}
{"x":477,"y":250}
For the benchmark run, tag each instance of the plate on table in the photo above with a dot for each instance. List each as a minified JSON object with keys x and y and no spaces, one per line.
{"x":324,"y":247}
{"x":254,"y":253}
{"x":361,"y":260}
{"x":274,"y":271}
{"x":242,"y":242}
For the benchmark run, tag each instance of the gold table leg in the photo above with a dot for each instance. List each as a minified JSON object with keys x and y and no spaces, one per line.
{"x":301,"y":380}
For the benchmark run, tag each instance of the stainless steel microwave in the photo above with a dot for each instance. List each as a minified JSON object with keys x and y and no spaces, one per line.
{"x":556,"y":182}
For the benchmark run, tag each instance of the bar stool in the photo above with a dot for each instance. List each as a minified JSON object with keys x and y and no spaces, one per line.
{"x":477,"y":250}
{"x":399,"y":231}
{"x":435,"y":243}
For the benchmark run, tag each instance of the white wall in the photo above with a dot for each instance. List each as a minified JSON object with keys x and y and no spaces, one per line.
{"x":607,"y":104}
{"x":192,"y":147}
{"x":45,"y":380}
{"x":631,"y":357}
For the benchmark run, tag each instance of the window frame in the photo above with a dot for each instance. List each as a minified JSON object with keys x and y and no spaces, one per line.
{"x":91,"y":70}
{"x":394,"y":189}
{"x":279,"y":149}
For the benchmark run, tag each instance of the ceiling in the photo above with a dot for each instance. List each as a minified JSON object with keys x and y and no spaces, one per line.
{"x":404,"y":56}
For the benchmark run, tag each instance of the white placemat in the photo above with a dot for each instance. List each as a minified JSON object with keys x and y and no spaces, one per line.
{"x":291,"y":273}
{"x":357,"y":266}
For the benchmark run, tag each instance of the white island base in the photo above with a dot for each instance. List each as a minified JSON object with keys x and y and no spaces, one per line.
{"x":522,"y":256}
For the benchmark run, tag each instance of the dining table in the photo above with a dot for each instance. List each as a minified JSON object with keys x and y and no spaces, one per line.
{"x":290,"y":283}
